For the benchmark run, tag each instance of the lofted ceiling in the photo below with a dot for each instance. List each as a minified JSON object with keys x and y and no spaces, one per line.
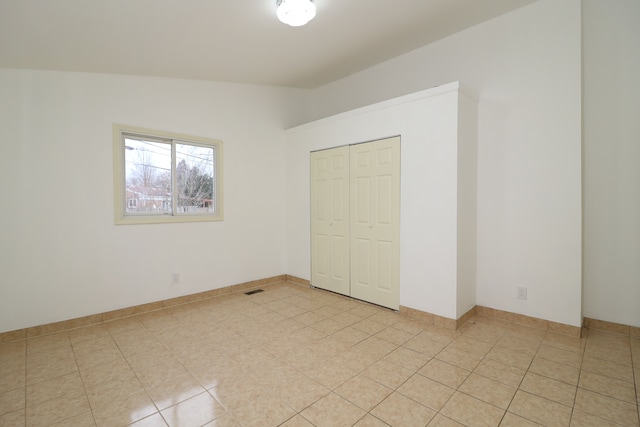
{"x":227,"y":40}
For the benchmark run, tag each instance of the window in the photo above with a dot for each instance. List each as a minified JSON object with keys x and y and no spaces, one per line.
{"x":163,"y":177}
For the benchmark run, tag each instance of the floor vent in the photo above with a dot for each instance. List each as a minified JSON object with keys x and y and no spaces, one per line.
{"x":255,"y":291}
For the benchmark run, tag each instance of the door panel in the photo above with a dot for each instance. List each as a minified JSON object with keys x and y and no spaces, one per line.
{"x":340,"y":258}
{"x":363,"y":200}
{"x":375,"y":228}
{"x":330,"y":220}
{"x":363,"y":264}
{"x":322,"y":250}
{"x":385,"y":199}
{"x":385,"y":266}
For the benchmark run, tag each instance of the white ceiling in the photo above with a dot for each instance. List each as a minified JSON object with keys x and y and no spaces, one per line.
{"x":227,"y":40}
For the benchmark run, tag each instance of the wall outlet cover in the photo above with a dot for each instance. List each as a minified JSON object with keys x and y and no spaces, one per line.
{"x":522,"y":292}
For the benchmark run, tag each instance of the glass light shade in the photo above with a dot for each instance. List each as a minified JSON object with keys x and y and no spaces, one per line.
{"x":296,"y":12}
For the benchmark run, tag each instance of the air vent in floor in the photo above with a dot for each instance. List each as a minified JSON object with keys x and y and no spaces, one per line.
{"x":255,"y":291}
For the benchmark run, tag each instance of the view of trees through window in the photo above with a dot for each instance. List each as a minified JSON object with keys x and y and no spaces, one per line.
{"x":157,"y":184}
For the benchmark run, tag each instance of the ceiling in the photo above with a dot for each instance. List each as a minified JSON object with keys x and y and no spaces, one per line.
{"x":227,"y":40}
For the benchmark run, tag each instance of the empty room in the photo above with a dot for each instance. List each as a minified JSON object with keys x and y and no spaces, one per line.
{"x":320,"y":213}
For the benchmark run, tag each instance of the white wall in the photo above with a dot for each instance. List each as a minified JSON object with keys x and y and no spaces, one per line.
{"x":526,"y":69}
{"x":611,"y":155}
{"x":61,"y":256}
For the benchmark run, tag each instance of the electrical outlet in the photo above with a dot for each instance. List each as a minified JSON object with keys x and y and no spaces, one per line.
{"x":522,"y":292}
{"x":175,"y":278}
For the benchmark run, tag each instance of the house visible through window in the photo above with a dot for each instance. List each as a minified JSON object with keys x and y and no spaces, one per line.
{"x":166,"y":177}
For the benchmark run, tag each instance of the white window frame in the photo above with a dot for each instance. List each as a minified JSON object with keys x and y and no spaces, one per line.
{"x":120,"y":202}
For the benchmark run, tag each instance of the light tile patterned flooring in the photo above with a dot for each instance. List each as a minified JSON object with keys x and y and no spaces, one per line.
{"x":293,"y":356}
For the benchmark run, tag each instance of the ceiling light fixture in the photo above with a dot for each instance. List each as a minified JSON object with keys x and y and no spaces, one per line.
{"x":295,"y":12}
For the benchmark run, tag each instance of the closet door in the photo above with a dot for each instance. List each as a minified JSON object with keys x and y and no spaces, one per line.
{"x":330,"y":219}
{"x":375,"y":222}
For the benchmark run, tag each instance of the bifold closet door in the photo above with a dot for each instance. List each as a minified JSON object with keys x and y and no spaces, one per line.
{"x":330,"y":220}
{"x":375,"y":222}
{"x":355,"y":221}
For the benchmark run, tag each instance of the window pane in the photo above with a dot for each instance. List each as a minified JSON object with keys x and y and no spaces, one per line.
{"x":147,"y":176}
{"x":194,"y":179}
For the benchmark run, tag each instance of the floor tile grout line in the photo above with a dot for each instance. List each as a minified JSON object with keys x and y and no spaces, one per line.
{"x":528,"y":367}
{"x":541,"y":341}
{"x":136,"y":374}
{"x":450,"y":345}
{"x":84,"y":386}
{"x":483,"y":358}
{"x":584,"y":350}
{"x":576,"y":386}
{"x":604,"y":394}
{"x":472,"y":372}
{"x":361,"y":371}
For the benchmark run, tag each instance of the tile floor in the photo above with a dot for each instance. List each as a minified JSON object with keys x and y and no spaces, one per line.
{"x":293,"y":356}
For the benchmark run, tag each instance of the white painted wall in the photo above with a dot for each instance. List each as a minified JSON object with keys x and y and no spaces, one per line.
{"x":427,"y":123}
{"x":61,"y":256}
{"x":611,"y":155}
{"x":526,"y":69}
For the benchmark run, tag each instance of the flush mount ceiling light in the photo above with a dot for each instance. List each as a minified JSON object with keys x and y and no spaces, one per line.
{"x":295,"y":12}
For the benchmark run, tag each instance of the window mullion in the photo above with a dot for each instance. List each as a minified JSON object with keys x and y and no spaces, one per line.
{"x":174,"y":186}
